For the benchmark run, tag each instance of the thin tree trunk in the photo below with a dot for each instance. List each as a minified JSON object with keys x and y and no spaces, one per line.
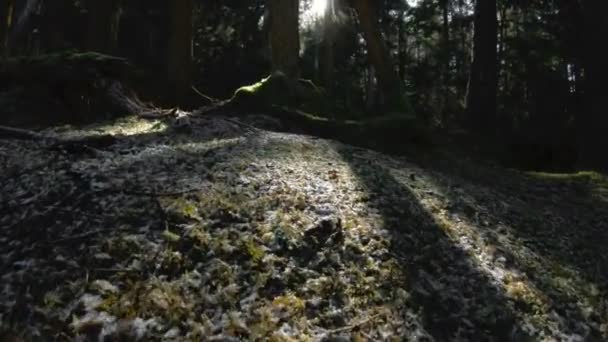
{"x":379,"y":56}
{"x":502,"y":35}
{"x":6,"y":18}
{"x":594,"y":141}
{"x":370,"y":91}
{"x":481,"y":97}
{"x":179,"y":66}
{"x":402,"y":46}
{"x":446,"y":56}
{"x":285,"y":36}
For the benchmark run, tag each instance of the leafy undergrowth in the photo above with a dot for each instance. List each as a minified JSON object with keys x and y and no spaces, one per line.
{"x":222,"y":231}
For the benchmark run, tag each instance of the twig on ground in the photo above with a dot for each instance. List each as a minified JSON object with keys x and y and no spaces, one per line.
{"x":243,"y":124}
{"x":354,"y":325}
{"x":158,"y":113}
{"x":7,"y":132}
{"x":115,"y":270}
{"x":156,"y":194}
{"x":77,"y":236}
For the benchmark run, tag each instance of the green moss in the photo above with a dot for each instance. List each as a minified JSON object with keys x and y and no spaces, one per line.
{"x":278,"y":90}
{"x":170,"y":236}
{"x":254,"y":250}
{"x":581,"y":176}
{"x":526,"y":296}
{"x":269,"y":90}
{"x":291,"y":303}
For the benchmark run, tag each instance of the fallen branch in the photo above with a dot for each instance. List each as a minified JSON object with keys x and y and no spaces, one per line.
{"x":77,"y":236}
{"x":154,"y":114}
{"x":155,"y":194}
{"x":208,"y":98}
{"x":354,"y":325}
{"x":22,"y":134}
{"x":242,"y":124}
{"x":115,"y":270}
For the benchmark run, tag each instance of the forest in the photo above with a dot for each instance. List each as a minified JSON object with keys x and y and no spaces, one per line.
{"x":303,"y":170}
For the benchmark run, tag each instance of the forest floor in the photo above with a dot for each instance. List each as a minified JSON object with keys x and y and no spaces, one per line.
{"x":219,"y":230}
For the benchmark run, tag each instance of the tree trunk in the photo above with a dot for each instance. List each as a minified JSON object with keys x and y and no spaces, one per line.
{"x":285,"y":36}
{"x":446,"y":57}
{"x":54,"y":25}
{"x":502,"y":73}
{"x":327,"y":48}
{"x":594,"y":141}
{"x":6,"y":18}
{"x":481,"y":97}
{"x":180,"y":47}
{"x":402,"y":54}
{"x":379,"y":56}
{"x":102,"y":30}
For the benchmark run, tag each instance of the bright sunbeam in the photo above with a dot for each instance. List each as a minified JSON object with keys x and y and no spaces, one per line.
{"x":314,"y":13}
{"x":318,"y":7}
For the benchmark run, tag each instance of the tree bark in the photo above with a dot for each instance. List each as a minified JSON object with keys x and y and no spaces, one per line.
{"x":379,"y":56}
{"x":594,"y":136}
{"x":180,"y":47}
{"x":482,"y":90}
{"x":446,"y":57}
{"x":402,"y":41}
{"x":54,"y":25}
{"x":285,"y":36}
{"x":6,"y":18}
{"x":102,"y":30}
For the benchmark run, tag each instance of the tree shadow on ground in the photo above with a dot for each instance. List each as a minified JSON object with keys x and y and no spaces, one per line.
{"x":553,"y":231}
{"x":453,"y":295}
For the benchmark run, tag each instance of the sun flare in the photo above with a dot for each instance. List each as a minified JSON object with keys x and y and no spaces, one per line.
{"x":318,"y":7}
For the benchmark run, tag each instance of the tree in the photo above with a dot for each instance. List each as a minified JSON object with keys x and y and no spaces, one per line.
{"x":594,"y":130}
{"x":103,"y":26}
{"x":379,"y":56}
{"x":445,"y":42}
{"x":179,"y":66}
{"x":285,"y":36}
{"x":482,"y":88}
{"x":327,"y":64}
{"x":6,"y":18}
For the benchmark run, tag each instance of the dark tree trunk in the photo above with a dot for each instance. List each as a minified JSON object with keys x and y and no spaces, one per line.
{"x":55,"y":24}
{"x":502,"y":36}
{"x":180,"y":47}
{"x":594,"y":130}
{"x":102,"y":31}
{"x":481,"y":97}
{"x":388,"y":78}
{"x":6,"y":17}
{"x":446,"y":56}
{"x":285,"y":36}
{"x":402,"y":54}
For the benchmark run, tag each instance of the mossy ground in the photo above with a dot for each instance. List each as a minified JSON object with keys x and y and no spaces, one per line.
{"x":232,"y":233}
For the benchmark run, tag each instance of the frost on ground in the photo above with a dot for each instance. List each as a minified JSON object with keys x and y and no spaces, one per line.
{"x":221,"y":231}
